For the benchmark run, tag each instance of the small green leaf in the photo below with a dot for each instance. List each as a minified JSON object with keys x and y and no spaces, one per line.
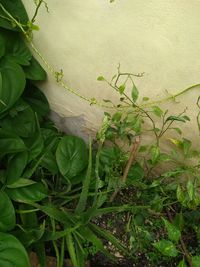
{"x":176,"y":118}
{"x":173,"y":232}
{"x":100,"y":78}
{"x":178,"y":130}
{"x":122,"y":89}
{"x":180,"y":194}
{"x":195,"y":261}
{"x":182,"y":263}
{"x":136,"y":173}
{"x":166,"y":247}
{"x":145,"y":98}
{"x":134,"y":93}
{"x":155,"y":152}
{"x":157,"y":111}
{"x":190,"y":190}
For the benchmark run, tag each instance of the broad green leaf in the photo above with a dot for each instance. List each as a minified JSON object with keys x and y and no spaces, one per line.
{"x":7,"y":211}
{"x":37,"y":100}
{"x":166,"y":247}
{"x":134,"y":93}
{"x":117,"y":116}
{"x":157,"y":111}
{"x":182,"y":263}
{"x":29,"y":236}
{"x":16,"y":166}
{"x":2,"y":46}
{"x":173,"y":232}
{"x":10,"y":143}
{"x":35,"y":71}
{"x":17,"y":10}
{"x":22,"y":118}
{"x":71,"y":156}
{"x":31,"y":193}
{"x":195,"y":261}
{"x":35,"y":145}
{"x":18,"y":52}
{"x":13,"y":83}
{"x":22,"y":182}
{"x":12,"y":253}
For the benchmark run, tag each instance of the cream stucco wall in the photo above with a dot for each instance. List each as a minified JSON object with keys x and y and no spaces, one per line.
{"x":89,"y":38}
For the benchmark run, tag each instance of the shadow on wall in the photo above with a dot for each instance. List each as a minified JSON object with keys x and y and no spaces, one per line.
{"x":74,"y":125}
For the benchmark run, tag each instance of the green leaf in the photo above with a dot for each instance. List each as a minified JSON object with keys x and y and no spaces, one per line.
{"x":13,"y":83}
{"x":22,"y":118}
{"x":10,"y":143}
{"x":35,"y":145}
{"x":71,"y":156}
{"x":195,"y":261}
{"x":71,"y":249}
{"x":100,"y":78}
{"x":18,"y":52}
{"x":49,"y":162}
{"x":190,"y":190}
{"x":122,"y":89}
{"x":31,"y":193}
{"x":16,"y":166}
{"x":186,"y":145}
{"x":37,"y":100}
{"x":2,"y":46}
{"x":145,"y":98}
{"x":35,"y":71}
{"x":155,"y":152}
{"x":173,"y":232}
{"x":166,"y":247}
{"x":22,"y":182}
{"x":176,"y":118}
{"x":17,"y":10}
{"x":134,"y":93}
{"x":136,"y":173}
{"x":86,"y":183}
{"x":182,"y":263}
{"x":178,"y":130}
{"x":109,"y":237}
{"x":7,"y":211}
{"x":180,"y":194}
{"x":12,"y":253}
{"x":157,"y":111}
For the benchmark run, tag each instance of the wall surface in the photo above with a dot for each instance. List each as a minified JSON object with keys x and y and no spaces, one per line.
{"x":89,"y":38}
